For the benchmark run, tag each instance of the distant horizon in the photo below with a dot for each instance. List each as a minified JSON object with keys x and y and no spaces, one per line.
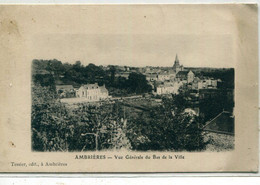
{"x":105,"y":65}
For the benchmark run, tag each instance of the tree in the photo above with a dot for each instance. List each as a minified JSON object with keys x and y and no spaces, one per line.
{"x":112,"y":75}
{"x":167,"y":127}
{"x":98,"y":127}
{"x":77,"y":64}
{"x":55,"y":66}
{"x":138,"y":84}
{"x":119,"y":139}
{"x":211,"y":106}
{"x":50,"y":126}
{"x":44,"y":80}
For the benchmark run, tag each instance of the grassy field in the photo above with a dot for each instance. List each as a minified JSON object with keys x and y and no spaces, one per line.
{"x":143,"y":102}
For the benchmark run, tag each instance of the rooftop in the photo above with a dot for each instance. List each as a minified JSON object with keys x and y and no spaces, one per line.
{"x":222,"y":123}
{"x":91,"y":86}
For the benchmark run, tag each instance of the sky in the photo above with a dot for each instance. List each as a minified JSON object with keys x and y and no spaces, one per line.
{"x":139,"y":49}
{"x":202,"y":36}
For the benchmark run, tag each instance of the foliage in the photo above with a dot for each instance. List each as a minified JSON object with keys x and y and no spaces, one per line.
{"x":138,"y":83}
{"x":212,"y":105}
{"x":45,"y":80}
{"x":167,"y":127}
{"x":57,"y":128}
{"x":50,"y":124}
{"x":51,"y":72}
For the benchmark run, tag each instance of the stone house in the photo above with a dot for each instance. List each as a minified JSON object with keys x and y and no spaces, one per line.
{"x":92,"y":92}
{"x":163,"y":76}
{"x":168,"y":88}
{"x":185,"y":76}
{"x":151,"y":77}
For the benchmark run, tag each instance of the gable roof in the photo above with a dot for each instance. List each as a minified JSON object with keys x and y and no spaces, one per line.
{"x":91,"y":86}
{"x":95,"y":86}
{"x":222,"y":123}
{"x":182,"y":73}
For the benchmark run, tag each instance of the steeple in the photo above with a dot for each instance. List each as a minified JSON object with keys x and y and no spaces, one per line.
{"x":177,"y":67}
{"x":176,"y":59}
{"x":176,"y":62}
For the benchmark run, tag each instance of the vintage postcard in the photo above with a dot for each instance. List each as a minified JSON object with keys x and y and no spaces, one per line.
{"x":129,"y":88}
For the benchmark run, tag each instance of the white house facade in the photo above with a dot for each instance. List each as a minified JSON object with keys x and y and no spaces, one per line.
{"x":92,"y":92}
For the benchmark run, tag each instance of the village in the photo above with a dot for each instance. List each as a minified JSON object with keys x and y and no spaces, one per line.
{"x":136,"y":92}
{"x":163,"y":80}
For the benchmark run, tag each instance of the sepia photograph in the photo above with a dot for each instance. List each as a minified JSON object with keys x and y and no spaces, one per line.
{"x":169,"y":102}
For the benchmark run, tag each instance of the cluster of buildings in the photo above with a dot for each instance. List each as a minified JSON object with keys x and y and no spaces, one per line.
{"x":164,"y":80}
{"x":169,"y":80}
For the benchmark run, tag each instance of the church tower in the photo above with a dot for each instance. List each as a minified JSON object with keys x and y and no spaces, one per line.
{"x":177,"y":67}
{"x":177,"y":60}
